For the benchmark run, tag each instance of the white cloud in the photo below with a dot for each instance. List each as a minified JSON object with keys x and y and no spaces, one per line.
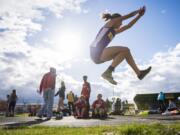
{"x":22,"y":65}
{"x":158,"y":78}
{"x":85,"y":11}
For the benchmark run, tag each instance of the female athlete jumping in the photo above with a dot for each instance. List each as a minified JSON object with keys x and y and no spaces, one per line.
{"x":101,"y":53}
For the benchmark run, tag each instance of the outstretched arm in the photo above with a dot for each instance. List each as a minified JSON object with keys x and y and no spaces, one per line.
{"x":129,"y":25}
{"x":133,"y":13}
{"x":130,"y":15}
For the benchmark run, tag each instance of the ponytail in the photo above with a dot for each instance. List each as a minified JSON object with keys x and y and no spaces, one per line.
{"x":108,"y":16}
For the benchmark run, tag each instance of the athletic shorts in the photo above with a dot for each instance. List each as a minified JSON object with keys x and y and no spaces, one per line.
{"x":95,"y":54}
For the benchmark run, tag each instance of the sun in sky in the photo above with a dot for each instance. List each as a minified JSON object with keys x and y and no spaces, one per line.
{"x":67,"y":42}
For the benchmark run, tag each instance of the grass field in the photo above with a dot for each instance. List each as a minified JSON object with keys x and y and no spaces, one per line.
{"x":132,"y":129}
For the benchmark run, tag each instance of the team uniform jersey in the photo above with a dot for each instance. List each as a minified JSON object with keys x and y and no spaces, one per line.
{"x":86,"y":90}
{"x":99,"y":104}
{"x":103,"y":38}
{"x":80,"y":103}
{"x":48,"y":82}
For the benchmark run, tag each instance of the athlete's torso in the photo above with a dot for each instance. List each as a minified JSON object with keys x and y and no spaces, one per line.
{"x":104,"y":37}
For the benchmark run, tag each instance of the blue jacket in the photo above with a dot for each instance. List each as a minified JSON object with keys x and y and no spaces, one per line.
{"x":161,"y":96}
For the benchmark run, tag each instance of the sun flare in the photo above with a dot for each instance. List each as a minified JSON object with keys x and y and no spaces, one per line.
{"x":68,"y":43}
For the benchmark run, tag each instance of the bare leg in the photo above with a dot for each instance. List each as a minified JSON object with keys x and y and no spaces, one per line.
{"x":78,"y":111}
{"x":127,"y":55}
{"x":62,"y":103}
{"x":82,"y":112}
{"x":118,"y":54}
{"x":59,"y":106}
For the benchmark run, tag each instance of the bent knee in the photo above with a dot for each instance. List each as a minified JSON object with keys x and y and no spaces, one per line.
{"x":126,"y":49}
{"x":123,"y":49}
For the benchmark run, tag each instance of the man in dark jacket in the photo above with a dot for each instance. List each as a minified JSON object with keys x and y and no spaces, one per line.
{"x":61,"y":93}
{"x":12,"y":102}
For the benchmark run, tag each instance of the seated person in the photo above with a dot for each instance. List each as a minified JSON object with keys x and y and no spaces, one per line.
{"x":32,"y":111}
{"x":172,"y":106}
{"x":99,"y":108}
{"x":80,"y":107}
{"x":172,"y":109}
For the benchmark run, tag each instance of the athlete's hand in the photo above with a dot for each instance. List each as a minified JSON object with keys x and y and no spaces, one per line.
{"x":142,"y":11}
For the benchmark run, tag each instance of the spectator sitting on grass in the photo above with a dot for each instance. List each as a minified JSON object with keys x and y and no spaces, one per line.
{"x":80,"y":107}
{"x":172,"y":106}
{"x":32,"y":110}
{"x":172,"y":109}
{"x":99,"y":107}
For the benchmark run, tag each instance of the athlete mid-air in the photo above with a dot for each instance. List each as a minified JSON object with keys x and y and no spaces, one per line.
{"x":101,"y":53}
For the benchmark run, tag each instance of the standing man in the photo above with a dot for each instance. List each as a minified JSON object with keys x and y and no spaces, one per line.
{"x":47,"y":86}
{"x":12,"y":102}
{"x":70,"y":98}
{"x":161,"y":98}
{"x":86,"y":90}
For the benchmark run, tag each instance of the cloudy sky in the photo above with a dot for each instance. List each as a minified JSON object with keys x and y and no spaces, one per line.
{"x":36,"y":34}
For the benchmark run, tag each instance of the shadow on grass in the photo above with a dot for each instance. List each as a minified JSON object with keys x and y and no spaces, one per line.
{"x":21,"y":125}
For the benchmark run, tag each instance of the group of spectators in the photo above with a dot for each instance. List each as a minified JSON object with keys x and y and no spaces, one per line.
{"x":78,"y":106}
{"x":70,"y":97}
{"x":99,"y":109}
{"x":11,"y":103}
{"x":171,"y":108}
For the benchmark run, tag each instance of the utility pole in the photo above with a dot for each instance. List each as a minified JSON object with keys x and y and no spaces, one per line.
{"x":113,"y":90}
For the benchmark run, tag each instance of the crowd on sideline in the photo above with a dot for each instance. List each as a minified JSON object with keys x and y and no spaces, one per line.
{"x":77,"y":106}
{"x":80,"y":106}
